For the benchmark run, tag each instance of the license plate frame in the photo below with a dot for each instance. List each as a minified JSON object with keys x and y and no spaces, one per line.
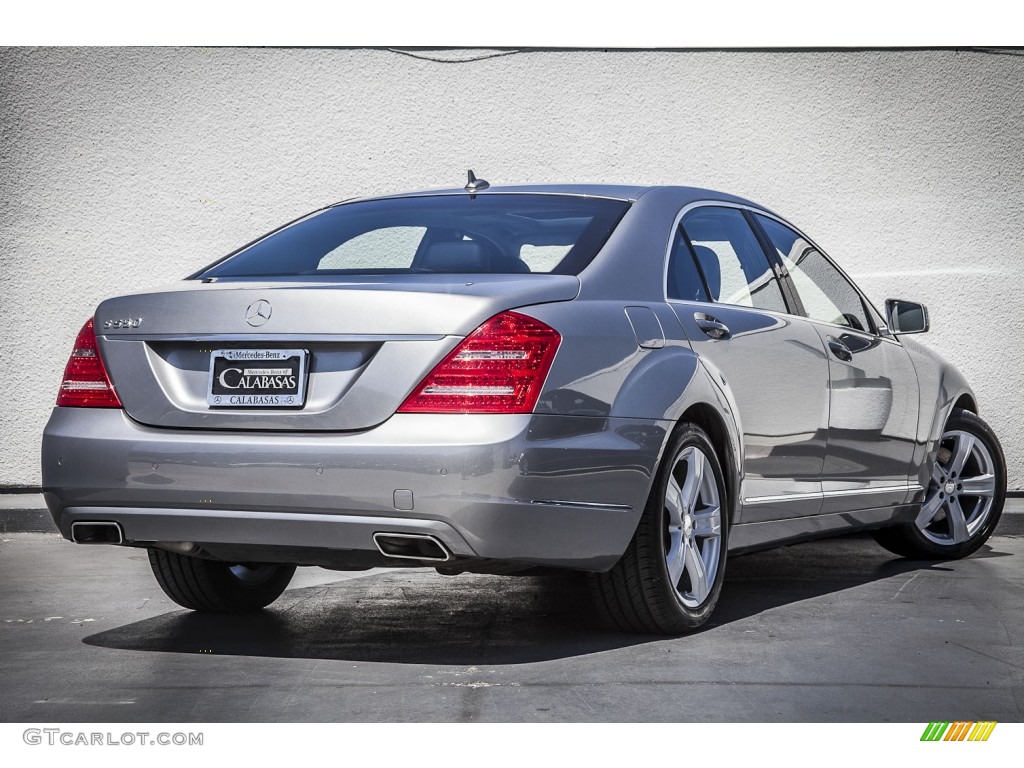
{"x":259,"y":378}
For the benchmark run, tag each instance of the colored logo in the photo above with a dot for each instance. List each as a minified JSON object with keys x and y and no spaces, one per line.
{"x":959,"y":731}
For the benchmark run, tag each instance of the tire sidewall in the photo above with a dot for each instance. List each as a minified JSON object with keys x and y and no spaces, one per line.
{"x":209,"y":586}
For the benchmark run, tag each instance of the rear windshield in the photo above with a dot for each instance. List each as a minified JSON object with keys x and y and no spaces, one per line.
{"x":491,"y":233}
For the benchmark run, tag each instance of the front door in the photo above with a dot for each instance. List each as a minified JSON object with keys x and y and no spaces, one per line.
{"x":873,"y":394}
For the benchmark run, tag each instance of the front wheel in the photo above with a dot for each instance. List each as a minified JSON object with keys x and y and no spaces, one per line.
{"x":669,"y":579}
{"x":215,"y":587}
{"x":964,"y":499}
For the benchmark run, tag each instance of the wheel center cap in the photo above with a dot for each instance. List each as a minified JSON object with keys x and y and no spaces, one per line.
{"x":950,"y":489}
{"x":687,"y":526}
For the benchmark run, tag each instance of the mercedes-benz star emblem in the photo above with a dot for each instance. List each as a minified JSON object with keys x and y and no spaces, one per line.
{"x":258,"y":313}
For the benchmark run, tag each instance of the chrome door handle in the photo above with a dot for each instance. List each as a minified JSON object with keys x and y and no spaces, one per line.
{"x":840,"y":350}
{"x":712,"y":327}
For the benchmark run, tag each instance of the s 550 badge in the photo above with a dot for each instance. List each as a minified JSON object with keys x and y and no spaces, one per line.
{"x":128,"y":322}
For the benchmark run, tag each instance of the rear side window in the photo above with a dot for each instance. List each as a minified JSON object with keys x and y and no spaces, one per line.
{"x":448,"y":234}
{"x":684,"y":281}
{"x":730,"y":259}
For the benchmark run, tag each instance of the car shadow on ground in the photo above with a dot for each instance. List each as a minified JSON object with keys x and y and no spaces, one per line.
{"x":419,"y":617}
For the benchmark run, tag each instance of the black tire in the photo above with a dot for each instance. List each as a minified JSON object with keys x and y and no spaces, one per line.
{"x":936,"y":540}
{"x":211,"y":586}
{"x":638,"y":593}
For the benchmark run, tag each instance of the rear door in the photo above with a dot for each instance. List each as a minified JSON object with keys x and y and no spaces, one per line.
{"x":729,"y":300}
{"x":873,"y":386}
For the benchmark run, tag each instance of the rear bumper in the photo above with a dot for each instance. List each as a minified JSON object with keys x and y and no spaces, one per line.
{"x":551,"y":490}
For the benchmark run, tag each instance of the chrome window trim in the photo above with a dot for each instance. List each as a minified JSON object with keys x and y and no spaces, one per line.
{"x":740,"y":307}
{"x":846,"y":329}
{"x":884,"y":333}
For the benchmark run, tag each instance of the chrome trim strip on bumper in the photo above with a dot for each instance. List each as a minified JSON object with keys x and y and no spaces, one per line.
{"x":583,"y":504}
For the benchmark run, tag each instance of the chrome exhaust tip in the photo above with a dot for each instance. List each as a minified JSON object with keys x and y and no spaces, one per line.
{"x":412,"y":546}
{"x":96,"y":533}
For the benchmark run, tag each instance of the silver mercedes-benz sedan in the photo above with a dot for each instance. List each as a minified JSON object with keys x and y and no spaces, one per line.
{"x":634,"y":382}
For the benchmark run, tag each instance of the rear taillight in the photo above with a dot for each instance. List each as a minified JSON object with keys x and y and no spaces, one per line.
{"x":86,"y":383}
{"x":499,"y":368}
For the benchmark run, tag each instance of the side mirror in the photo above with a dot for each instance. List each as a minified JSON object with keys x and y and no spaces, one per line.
{"x":906,"y":316}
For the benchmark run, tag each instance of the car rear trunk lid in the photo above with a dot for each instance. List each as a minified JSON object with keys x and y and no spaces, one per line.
{"x":367,"y":341}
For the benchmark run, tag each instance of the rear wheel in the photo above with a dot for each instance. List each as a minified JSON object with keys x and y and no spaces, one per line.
{"x":964,"y":498}
{"x":215,"y":587}
{"x":669,"y":579}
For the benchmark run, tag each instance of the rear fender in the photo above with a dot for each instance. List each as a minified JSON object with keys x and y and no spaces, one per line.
{"x":601,"y":371}
{"x":710,"y":404}
{"x":674,"y":386}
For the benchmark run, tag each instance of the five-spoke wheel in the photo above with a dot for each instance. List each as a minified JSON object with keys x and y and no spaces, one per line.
{"x":964,"y":498}
{"x":669,"y":579}
{"x":962,"y":490}
{"x":693,"y":541}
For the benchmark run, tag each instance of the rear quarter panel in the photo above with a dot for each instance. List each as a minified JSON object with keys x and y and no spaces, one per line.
{"x":602,"y":370}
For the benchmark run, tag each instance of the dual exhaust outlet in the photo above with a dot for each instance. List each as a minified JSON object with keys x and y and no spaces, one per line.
{"x":401,"y":546}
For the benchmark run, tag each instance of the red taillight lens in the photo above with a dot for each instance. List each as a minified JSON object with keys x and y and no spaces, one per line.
{"x":499,"y":368}
{"x":86,"y":383}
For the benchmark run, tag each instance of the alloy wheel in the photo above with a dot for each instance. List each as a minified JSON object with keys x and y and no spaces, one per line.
{"x":961,"y":491}
{"x":693,"y":519}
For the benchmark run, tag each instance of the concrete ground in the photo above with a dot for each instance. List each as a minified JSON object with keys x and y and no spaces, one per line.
{"x":835,"y":630}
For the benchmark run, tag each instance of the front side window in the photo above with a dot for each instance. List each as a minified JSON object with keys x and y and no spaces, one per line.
{"x":824,"y":292}
{"x":446,"y":234}
{"x":730,"y":260}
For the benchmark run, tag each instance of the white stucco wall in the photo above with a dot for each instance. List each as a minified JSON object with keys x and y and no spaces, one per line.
{"x":122,"y":169}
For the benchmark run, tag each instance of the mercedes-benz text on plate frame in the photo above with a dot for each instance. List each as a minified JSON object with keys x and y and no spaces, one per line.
{"x":257,"y":378}
{"x":636,"y":383}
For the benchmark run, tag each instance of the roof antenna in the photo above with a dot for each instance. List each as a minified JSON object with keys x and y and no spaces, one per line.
{"x":475,"y":185}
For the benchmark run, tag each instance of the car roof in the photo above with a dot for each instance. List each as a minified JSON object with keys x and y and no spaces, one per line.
{"x":625,"y":192}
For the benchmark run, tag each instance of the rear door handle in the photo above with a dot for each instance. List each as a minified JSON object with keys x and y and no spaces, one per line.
{"x":840,"y":350}
{"x":712,"y":327}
